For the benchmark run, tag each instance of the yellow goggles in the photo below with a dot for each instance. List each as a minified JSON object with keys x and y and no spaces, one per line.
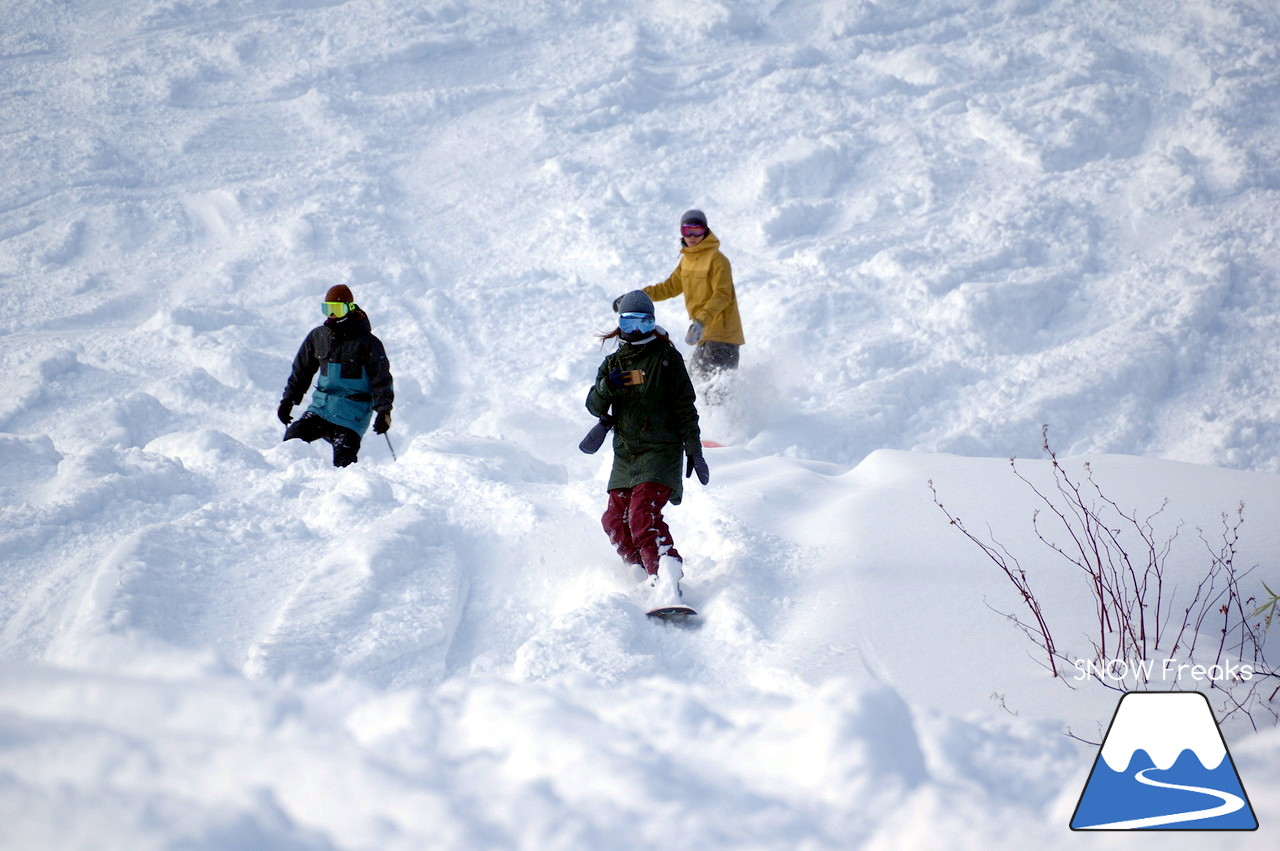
{"x":335,"y":309}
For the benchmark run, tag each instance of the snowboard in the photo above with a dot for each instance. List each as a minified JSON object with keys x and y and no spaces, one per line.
{"x":668,"y":612}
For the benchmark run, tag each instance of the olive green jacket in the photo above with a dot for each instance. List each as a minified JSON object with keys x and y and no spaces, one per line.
{"x":656,"y":422}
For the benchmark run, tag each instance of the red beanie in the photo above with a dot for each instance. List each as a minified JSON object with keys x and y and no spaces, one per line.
{"x":339,"y":292}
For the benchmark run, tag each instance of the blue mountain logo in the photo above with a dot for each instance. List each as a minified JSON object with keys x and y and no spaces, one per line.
{"x":1164,"y":766}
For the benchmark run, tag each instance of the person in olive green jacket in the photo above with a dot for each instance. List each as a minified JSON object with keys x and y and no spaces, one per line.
{"x":705,"y":278}
{"x":643,"y":390}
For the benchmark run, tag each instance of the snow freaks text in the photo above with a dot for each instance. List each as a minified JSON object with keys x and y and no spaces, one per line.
{"x":1119,"y":671}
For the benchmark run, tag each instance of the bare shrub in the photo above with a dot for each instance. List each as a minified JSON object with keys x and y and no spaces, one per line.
{"x":1142,"y":622}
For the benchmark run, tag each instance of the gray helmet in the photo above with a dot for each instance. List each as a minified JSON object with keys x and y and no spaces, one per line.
{"x":694,"y":217}
{"x":635,"y":302}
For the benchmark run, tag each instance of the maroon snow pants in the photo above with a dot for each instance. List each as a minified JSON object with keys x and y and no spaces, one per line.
{"x":633,"y":521}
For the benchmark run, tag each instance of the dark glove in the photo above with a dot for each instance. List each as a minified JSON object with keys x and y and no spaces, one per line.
{"x":617,"y":379}
{"x":697,"y":464}
{"x":285,"y":412}
{"x":694,"y":334}
{"x":382,"y":422}
{"x":595,"y":437}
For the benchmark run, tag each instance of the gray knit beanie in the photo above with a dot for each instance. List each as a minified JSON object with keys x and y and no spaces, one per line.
{"x":635,"y":302}
{"x":694,"y":217}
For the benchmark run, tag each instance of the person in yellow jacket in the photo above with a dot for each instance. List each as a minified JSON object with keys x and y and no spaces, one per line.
{"x":706,"y":280}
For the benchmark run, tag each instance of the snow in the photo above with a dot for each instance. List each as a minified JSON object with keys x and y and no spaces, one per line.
{"x":950,"y":223}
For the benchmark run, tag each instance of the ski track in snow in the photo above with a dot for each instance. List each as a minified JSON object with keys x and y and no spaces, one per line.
{"x":949,"y":223}
{"x":1230,"y":804}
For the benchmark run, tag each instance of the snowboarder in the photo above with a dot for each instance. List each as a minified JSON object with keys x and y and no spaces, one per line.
{"x":705,"y":278}
{"x":643,"y":390}
{"x":354,"y":384}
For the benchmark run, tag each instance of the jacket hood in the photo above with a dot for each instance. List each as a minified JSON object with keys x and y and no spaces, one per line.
{"x":709,"y":242}
{"x":353,"y":324}
{"x":658,"y":333}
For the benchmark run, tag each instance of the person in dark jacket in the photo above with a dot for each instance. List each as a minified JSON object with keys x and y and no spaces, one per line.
{"x":354,"y":384}
{"x":643,"y":389}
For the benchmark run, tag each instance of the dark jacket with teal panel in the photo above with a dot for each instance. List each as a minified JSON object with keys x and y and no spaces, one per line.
{"x":655,"y":422}
{"x":355,"y":376}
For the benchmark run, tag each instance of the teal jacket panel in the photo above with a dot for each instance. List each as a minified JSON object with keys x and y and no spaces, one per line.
{"x":343,"y":401}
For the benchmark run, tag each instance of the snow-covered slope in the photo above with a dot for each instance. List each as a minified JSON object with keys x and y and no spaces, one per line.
{"x":949,"y":223}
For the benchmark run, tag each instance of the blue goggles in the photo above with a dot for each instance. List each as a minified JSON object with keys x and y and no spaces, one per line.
{"x":630,"y":323}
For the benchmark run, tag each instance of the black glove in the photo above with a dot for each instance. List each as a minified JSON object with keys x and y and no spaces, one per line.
{"x":285,"y":412}
{"x":616,"y":379}
{"x":382,"y":422}
{"x":595,"y":437}
{"x":697,"y":464}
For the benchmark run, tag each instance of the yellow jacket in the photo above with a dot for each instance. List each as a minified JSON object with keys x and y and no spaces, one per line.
{"x":706,"y":279}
